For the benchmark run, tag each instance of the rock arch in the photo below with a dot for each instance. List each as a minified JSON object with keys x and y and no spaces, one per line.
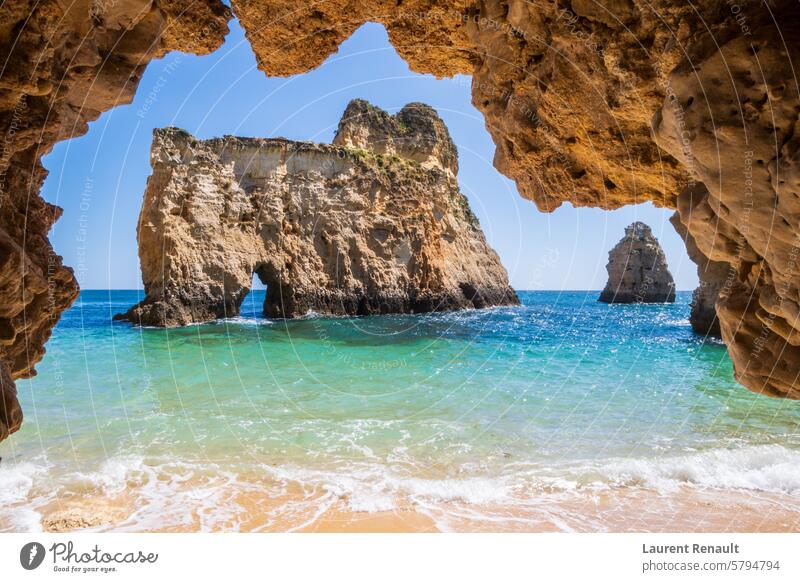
{"x":276,"y":295}
{"x":374,"y":223}
{"x":601,"y":103}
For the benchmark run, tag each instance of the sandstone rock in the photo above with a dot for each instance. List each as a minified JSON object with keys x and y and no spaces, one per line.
{"x":332,"y":229}
{"x":731,"y":118}
{"x":637,"y":270}
{"x":714,"y":277}
{"x":63,"y":65}
{"x":10,"y":411}
{"x":415,"y":133}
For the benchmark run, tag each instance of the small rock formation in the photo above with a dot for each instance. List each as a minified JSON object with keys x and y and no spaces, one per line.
{"x":374,"y":223}
{"x":637,"y":270}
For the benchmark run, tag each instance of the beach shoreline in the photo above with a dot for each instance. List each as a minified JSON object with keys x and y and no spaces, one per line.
{"x":686,"y":509}
{"x":487,"y":420}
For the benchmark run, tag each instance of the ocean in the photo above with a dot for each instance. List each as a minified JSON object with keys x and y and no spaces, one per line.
{"x":562,"y":414}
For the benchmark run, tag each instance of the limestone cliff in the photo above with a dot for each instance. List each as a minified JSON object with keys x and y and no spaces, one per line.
{"x":637,"y":269}
{"x":328,"y":228}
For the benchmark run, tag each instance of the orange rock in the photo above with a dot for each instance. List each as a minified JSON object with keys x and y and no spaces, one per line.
{"x":373,"y":224}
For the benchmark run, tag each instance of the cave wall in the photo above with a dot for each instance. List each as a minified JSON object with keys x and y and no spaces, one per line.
{"x":593,"y":102}
{"x":63,"y":64}
{"x":714,"y":276}
{"x":732,"y":120}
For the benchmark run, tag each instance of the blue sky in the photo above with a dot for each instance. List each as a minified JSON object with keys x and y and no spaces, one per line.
{"x":99,"y":178}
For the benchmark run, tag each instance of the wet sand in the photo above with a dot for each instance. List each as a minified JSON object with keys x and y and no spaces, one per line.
{"x":622,"y":510}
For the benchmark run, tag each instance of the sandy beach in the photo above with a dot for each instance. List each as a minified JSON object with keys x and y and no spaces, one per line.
{"x":624,"y":510}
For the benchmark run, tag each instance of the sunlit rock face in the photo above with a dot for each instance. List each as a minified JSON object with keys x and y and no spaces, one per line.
{"x":578,"y":96}
{"x":332,"y":229}
{"x":637,"y":269}
{"x":732,"y":120}
{"x":416,"y":133}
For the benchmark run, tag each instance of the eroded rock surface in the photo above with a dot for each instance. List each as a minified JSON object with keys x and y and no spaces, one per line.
{"x":637,"y":269}
{"x":714,"y":276}
{"x":64,"y":63}
{"x":732,"y":119}
{"x":334,"y":229}
{"x":416,"y":133}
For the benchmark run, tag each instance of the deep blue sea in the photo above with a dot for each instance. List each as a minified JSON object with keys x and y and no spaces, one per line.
{"x":251,"y":423}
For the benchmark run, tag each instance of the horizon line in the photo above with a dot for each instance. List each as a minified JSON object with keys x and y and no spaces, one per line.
{"x":515,"y":289}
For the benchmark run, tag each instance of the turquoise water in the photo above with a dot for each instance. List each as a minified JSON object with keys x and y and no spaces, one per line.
{"x":480,"y":406}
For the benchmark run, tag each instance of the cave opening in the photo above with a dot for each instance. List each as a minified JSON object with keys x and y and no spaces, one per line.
{"x":275,"y":292}
{"x":253,"y":303}
{"x":225,"y":93}
{"x":266,"y":295}
{"x":641,"y":364}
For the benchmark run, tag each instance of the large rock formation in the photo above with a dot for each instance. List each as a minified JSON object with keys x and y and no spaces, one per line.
{"x":335,"y":229}
{"x":637,"y":269}
{"x":576,"y":95}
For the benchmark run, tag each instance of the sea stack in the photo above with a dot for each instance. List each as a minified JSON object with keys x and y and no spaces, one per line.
{"x":637,"y":270}
{"x":373,"y":223}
